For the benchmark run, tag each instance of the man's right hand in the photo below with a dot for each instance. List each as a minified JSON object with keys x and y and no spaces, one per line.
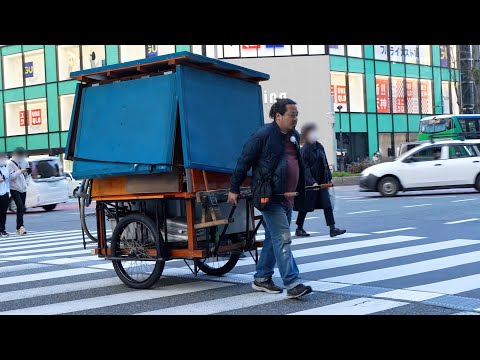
{"x":316,"y":185}
{"x":232,"y":198}
{"x":24,"y":171}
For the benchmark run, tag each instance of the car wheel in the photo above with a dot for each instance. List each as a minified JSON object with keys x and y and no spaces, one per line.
{"x":388,"y":186}
{"x":12,"y":206}
{"x":49,"y":207}
{"x":477,"y":182}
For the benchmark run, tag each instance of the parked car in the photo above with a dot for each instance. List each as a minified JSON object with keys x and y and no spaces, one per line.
{"x":73,"y":184}
{"x":47,"y":187}
{"x":438,"y":165}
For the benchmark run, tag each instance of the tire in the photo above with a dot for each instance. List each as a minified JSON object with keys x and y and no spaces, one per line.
{"x":207,"y":265}
{"x":49,"y":207}
{"x":12,"y":206}
{"x":477,"y":183}
{"x":125,"y":235}
{"x":388,"y":186}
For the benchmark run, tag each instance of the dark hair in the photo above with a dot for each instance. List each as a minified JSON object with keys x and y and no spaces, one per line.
{"x":280,"y":107}
{"x":306,"y":129}
{"x":19,"y":150}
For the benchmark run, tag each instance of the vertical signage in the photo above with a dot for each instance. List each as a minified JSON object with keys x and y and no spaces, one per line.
{"x":28,"y":69}
{"x":425,"y":96}
{"x":412,"y":96}
{"x":443,"y":56}
{"x":151,"y":50}
{"x":383,"y":95}
{"x":341,"y":97}
{"x":398,"y":95}
{"x":36,"y":116}
{"x":24,"y":121}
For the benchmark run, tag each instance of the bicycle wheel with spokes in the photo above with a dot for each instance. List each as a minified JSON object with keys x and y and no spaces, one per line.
{"x":135,"y":240}
{"x":218,"y":265}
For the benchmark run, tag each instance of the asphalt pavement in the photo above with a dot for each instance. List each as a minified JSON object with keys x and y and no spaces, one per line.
{"x":417,"y":253}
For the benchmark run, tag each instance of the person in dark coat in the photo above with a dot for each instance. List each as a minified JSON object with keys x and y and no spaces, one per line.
{"x":317,"y":172}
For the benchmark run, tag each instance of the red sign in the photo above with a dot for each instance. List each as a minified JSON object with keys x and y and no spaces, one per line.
{"x":383,"y":96}
{"x":425,"y":95}
{"x":36,"y":117}
{"x":246,"y":47}
{"x":22,"y":117}
{"x":398,"y":96}
{"x":341,"y":97}
{"x":412,"y":96}
{"x":332,"y":90}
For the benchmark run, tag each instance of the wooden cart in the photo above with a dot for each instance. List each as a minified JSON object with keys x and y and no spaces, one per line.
{"x":158,"y":139}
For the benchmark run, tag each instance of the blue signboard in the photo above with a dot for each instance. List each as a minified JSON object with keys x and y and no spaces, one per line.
{"x":151,"y":50}
{"x":274,"y":46}
{"x":28,"y":69}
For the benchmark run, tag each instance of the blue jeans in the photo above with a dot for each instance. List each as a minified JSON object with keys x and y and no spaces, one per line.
{"x":276,"y":247}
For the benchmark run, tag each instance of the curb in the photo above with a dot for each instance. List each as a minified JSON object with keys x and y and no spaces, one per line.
{"x":346,"y":180}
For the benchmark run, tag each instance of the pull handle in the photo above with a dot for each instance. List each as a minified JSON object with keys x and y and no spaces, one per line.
{"x":476,"y":161}
{"x":438,"y":164}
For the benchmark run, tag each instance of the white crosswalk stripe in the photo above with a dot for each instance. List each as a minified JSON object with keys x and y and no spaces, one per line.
{"x":51,"y":273}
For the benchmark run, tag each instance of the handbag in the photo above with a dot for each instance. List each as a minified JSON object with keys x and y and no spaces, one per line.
{"x":262,"y":192}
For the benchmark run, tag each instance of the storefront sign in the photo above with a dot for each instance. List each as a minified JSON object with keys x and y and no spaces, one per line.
{"x":28,"y":69}
{"x":412,"y":96}
{"x":248,"y":47}
{"x":443,"y":56}
{"x":399,"y":96}
{"x":341,"y":97}
{"x":152,"y":50}
{"x":24,"y":121}
{"x":36,"y":117}
{"x":383,"y":101}
{"x":425,"y":96}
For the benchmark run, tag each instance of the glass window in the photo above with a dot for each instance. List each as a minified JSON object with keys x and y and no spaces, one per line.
{"x":316,"y":49}
{"x":444,"y":56}
{"x":454,"y":89}
{"x":446,"y":97}
{"x":461,"y":151}
{"x":213,"y":51}
{"x":281,"y":50}
{"x":249,"y":50}
{"x":412,"y":136}
{"x":131,"y":52}
{"x":336,"y":49}
{"x":66,"y":107}
{"x":426,"y":96}
{"x":424,"y":54}
{"x":338,"y":90}
{"x":453,"y":56}
{"x":412,"y":96}
{"x":385,"y":143}
{"x":68,"y":60}
{"x":266,"y":51}
{"x":411,"y":54}
{"x":435,"y":125}
{"x":429,"y":154}
{"x":398,"y":95}
{"x":469,"y":124}
{"x":356,"y":93}
{"x":37,"y":116}
{"x":396,"y":53}
{"x":231,"y":51}
{"x":15,"y":118}
{"x":197,"y":49}
{"x":12,"y":71}
{"x":355,"y":50}
{"x":299,"y":49}
{"x":34,"y":67}
{"x":94,"y":56}
{"x":45,"y":169}
{"x":383,"y":94}
{"x":398,"y":138}
{"x":381,"y":52}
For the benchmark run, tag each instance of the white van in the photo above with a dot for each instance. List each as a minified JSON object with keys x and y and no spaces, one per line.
{"x":47,"y":186}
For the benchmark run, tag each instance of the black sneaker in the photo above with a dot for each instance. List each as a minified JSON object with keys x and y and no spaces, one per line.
{"x":267,"y":286}
{"x":4,"y":233}
{"x":336,"y":232}
{"x":298,"y":291}
{"x":301,"y":232}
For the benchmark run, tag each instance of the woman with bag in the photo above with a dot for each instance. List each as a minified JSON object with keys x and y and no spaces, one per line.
{"x":4,"y":193}
{"x":317,"y":172}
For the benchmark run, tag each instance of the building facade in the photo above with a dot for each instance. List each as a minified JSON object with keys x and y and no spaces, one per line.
{"x":383,"y":90}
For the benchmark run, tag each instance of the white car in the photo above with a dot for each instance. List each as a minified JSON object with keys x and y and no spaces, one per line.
{"x":439,"y":165}
{"x":73,"y":184}
{"x":47,"y":185}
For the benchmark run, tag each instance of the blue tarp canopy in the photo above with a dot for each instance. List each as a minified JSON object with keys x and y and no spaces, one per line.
{"x":126,"y":116}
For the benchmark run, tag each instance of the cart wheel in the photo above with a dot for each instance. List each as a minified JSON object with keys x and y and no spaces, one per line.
{"x":131,"y":239}
{"x":218,"y":265}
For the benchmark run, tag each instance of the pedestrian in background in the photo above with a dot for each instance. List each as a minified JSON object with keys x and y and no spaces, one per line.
{"x":273,"y":154}
{"x":317,"y":172}
{"x":4,"y":193}
{"x":19,"y":172}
